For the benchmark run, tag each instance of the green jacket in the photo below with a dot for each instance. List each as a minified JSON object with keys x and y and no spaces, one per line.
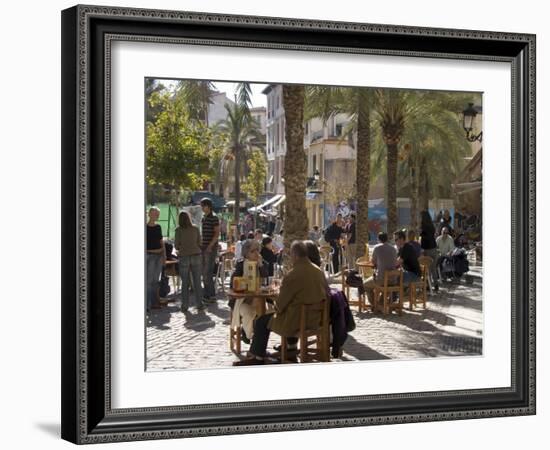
{"x":305,"y":283}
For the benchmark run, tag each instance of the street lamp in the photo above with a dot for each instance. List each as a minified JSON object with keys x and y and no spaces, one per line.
{"x":468,"y":116}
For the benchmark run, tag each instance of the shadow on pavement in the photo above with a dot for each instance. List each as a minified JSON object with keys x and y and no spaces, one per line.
{"x":159,"y":318}
{"x":446,"y":344}
{"x":198,"y":322}
{"x":467,"y":302}
{"x":222,"y":313}
{"x":360,"y":351}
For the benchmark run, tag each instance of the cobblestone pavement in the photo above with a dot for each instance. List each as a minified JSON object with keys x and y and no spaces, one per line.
{"x":451,"y":325}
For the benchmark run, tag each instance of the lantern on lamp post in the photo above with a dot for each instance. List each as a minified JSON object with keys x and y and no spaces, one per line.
{"x":468,"y":117}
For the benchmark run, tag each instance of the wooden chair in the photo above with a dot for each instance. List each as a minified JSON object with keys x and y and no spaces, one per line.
{"x":235,"y":339}
{"x":418,"y":289}
{"x":321,"y":352}
{"x":386,"y":291}
{"x":225,"y":266}
{"x":426,"y":261}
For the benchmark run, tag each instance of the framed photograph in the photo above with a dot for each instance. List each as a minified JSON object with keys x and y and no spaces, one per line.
{"x":282,"y":224}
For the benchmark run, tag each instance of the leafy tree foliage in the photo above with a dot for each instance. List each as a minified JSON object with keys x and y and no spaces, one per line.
{"x":178,"y":148}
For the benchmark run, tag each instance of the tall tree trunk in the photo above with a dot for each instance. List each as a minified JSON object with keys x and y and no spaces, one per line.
{"x":392,"y":185}
{"x":362,"y":175}
{"x":237,"y":184}
{"x":295,"y":169}
{"x":414,"y":194}
{"x":424,"y":186}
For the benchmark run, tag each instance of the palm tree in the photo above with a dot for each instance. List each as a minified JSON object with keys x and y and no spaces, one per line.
{"x":434,"y":148}
{"x":295,"y":169}
{"x":152,"y":86}
{"x":363,"y":108}
{"x":391,"y":108}
{"x":438,"y":151}
{"x":243,"y":135}
{"x":325,"y":101}
{"x":197,"y":95}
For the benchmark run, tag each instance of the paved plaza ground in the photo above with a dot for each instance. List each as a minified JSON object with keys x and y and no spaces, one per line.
{"x":452,"y":325}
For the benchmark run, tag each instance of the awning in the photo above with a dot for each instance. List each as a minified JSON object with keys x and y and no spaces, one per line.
{"x":262,"y":207}
{"x":278,"y":202}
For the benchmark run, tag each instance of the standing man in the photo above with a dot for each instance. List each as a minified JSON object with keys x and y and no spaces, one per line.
{"x":156,"y":256}
{"x":209,"y":248}
{"x":332,"y":236}
{"x":351,"y":246}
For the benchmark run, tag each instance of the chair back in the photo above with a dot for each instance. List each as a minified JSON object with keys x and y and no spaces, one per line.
{"x":425,"y":264}
{"x":228,"y":255}
{"x":365,"y":272}
{"x":309,"y":310}
{"x":425,"y":260}
{"x":393,"y":278}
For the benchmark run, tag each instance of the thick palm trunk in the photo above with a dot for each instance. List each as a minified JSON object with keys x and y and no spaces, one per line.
{"x":392,"y":185}
{"x":414,"y":194}
{"x":363,"y":172}
{"x":424,"y":186}
{"x":295,"y":169}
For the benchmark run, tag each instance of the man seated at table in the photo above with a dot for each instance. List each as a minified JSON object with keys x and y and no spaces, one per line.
{"x":384,"y":257}
{"x":305,"y":283}
{"x":407,"y":258}
{"x":445,"y":246}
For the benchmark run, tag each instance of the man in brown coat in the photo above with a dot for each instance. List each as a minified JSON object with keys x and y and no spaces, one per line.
{"x":305,"y":283}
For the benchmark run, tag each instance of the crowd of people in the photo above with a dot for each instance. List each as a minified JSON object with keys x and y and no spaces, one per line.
{"x":197,"y":255}
{"x":197,"y":252}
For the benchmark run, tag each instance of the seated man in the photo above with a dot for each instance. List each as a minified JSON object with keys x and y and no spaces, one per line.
{"x":411,"y":234}
{"x":305,"y":283}
{"x":445,"y":245}
{"x":384,"y":257}
{"x":407,"y":258}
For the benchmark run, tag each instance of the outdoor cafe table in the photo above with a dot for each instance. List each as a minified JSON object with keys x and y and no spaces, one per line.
{"x":366,"y":264}
{"x":366,"y":268}
{"x":260,"y":298}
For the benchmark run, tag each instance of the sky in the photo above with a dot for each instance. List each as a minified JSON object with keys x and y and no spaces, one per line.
{"x":258,"y":99}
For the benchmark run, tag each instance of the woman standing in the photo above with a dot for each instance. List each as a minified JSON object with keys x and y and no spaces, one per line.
{"x":187,"y":243}
{"x":428,"y":245}
{"x":156,"y":256}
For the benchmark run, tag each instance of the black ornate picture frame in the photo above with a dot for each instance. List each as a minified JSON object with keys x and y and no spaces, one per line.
{"x":87,"y":414}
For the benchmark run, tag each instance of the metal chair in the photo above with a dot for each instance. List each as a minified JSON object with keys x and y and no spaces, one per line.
{"x":326,"y":260}
{"x":225,"y":266}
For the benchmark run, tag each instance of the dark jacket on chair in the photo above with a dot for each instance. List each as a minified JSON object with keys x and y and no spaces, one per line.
{"x":341,"y":320}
